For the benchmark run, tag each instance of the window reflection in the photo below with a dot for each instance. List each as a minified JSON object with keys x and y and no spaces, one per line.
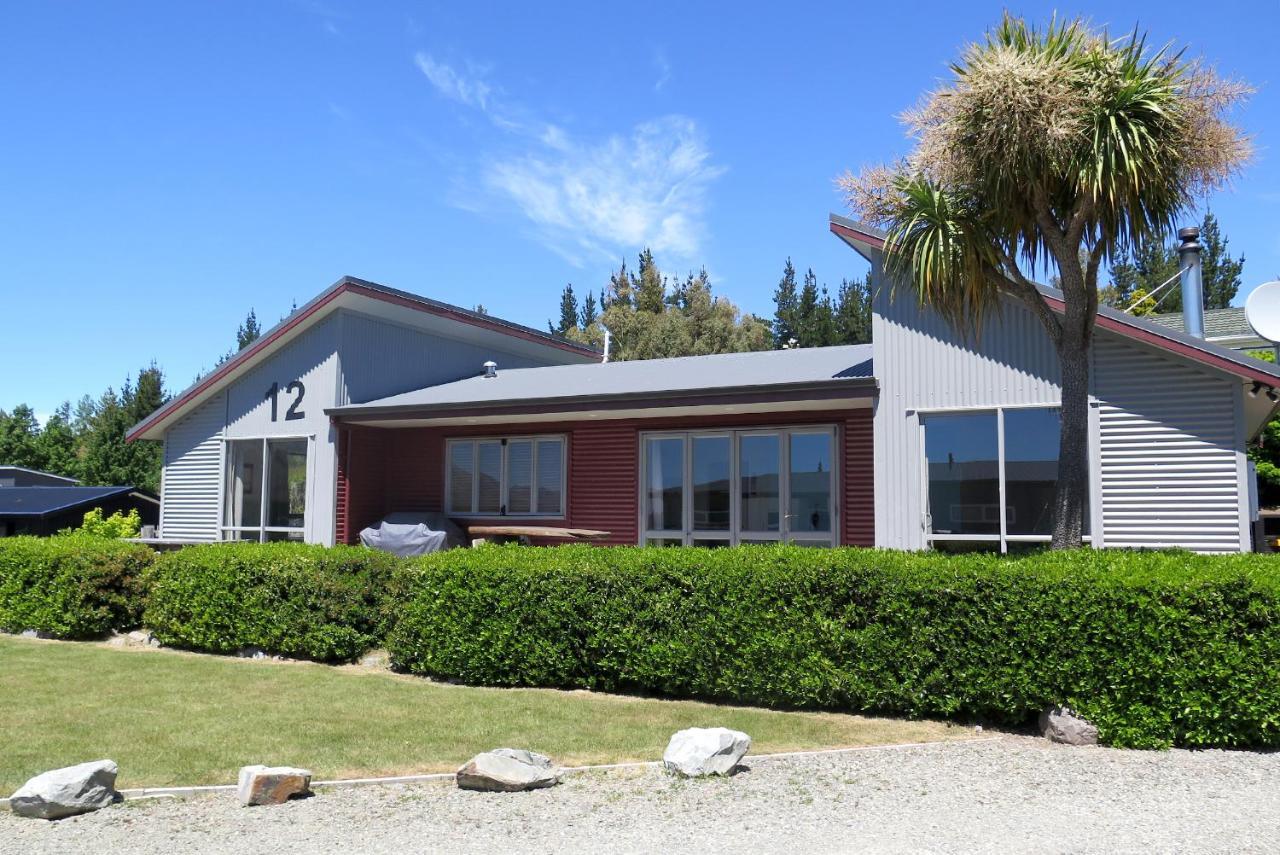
{"x":961,"y":452}
{"x":711,"y":474}
{"x":810,"y":482}
{"x":759,"y":469}
{"x":665,"y":484}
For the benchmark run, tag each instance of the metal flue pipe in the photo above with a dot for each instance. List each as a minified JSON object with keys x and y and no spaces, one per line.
{"x":1192,"y":286}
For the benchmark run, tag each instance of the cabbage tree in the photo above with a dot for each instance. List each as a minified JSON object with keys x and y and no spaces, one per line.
{"x":1049,"y":150}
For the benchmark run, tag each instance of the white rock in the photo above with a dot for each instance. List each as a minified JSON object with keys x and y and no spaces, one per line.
{"x":702,"y":751}
{"x":272,"y":785}
{"x":67,"y":792}
{"x":1060,"y":724}
{"x":508,"y":770}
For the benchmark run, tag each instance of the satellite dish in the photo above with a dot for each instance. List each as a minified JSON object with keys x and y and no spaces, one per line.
{"x":1262,"y":309}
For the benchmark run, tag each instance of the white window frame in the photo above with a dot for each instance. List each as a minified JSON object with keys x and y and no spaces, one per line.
{"x":688,"y":535}
{"x":504,"y":486}
{"x":262,"y":528}
{"x":1003,"y":538}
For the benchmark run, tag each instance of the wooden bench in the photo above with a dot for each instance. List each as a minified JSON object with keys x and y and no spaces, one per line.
{"x":503,"y":533}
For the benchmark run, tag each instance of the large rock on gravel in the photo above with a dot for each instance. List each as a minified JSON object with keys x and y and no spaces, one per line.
{"x":272,"y":785}
{"x":1060,"y":724}
{"x":508,"y":770}
{"x":67,"y":792}
{"x":702,"y":751}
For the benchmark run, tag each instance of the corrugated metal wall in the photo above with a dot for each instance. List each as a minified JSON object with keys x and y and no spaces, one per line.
{"x":1168,"y":446}
{"x":191,"y":482}
{"x":858,"y":479}
{"x":921,"y":364}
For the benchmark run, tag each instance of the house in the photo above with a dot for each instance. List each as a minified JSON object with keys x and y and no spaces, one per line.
{"x":369,"y":400}
{"x":1228,"y":327}
{"x":41,"y":503}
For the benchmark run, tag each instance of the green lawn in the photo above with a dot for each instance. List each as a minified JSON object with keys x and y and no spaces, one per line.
{"x":171,"y":718}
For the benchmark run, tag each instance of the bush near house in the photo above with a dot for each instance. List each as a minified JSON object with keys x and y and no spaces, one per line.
{"x":1157,"y":649}
{"x":73,"y":586}
{"x":310,"y":602}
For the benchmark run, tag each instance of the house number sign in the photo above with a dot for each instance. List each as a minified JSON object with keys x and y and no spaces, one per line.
{"x":294,"y":388}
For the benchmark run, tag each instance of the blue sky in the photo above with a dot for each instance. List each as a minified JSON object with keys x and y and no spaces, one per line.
{"x":167,"y":166}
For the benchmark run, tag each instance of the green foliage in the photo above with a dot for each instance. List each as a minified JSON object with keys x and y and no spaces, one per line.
{"x":1157,"y":649}
{"x":568,"y":312}
{"x":1139,"y":272}
{"x":248,"y":332}
{"x":810,"y":317}
{"x":115,"y":527}
{"x":77,"y":586}
{"x":311,"y":602}
{"x":1265,"y":451}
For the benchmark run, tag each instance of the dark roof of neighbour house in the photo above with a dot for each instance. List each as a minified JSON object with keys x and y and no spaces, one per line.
{"x":861,"y":237}
{"x":19,"y":471}
{"x":1227,"y":326}
{"x":43,"y":501}
{"x":803,"y":370}
{"x":311,"y":312}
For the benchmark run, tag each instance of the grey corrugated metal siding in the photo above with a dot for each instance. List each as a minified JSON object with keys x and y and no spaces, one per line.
{"x":1169,"y":461}
{"x":921,"y":363}
{"x":192,"y":473}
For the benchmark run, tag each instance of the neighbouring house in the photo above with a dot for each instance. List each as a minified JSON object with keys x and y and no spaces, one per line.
{"x":41,"y":503}
{"x":369,"y":401}
{"x":1227,"y":327}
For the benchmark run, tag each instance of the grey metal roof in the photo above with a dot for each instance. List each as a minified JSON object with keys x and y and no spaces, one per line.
{"x":1228,"y":324}
{"x":754,"y":371}
{"x":41,"y":501}
{"x":17,"y":470}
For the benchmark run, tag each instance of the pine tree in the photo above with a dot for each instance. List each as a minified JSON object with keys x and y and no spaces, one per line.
{"x":853,"y":312}
{"x":589,"y":312}
{"x":568,"y":312}
{"x":1220,"y":273}
{"x":650,"y":286}
{"x":620,"y":289}
{"x":19,"y":434}
{"x":1138,"y":273}
{"x":784,"y":301}
{"x":57,"y":444}
{"x":248,"y":332}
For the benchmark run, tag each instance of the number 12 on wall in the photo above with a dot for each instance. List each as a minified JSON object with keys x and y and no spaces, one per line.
{"x":296,"y":388}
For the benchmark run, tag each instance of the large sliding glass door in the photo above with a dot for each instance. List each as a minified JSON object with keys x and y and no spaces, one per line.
{"x":716,"y":488}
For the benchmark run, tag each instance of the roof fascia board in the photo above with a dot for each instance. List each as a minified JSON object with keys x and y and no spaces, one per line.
{"x":48,"y":511}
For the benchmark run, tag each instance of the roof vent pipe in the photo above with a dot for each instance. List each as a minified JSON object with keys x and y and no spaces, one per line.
{"x":608,"y":337}
{"x":491,"y":369}
{"x":1192,"y":287}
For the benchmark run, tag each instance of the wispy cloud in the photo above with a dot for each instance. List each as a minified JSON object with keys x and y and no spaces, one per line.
{"x":590,"y":199}
{"x":465,"y":89}
{"x":663,"y":66}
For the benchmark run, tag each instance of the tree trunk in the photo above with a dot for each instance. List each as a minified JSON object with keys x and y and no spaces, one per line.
{"x":1073,"y":447}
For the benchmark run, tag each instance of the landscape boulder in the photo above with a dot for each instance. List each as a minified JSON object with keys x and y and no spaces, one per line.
{"x":1060,"y":724}
{"x":508,"y":770}
{"x":67,"y":792}
{"x":701,"y":751}
{"x":272,"y":785}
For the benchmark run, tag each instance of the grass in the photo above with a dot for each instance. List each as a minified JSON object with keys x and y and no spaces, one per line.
{"x":171,"y":718}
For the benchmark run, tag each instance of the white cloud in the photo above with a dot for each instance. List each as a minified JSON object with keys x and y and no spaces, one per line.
{"x":464,"y":89}
{"x":663,"y":67}
{"x":647,"y":189}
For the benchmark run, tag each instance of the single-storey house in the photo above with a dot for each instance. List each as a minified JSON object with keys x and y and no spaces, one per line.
{"x":369,"y":401}
{"x":41,"y":503}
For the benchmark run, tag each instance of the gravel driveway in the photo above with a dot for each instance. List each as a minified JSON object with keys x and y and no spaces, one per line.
{"x":1007,"y":794}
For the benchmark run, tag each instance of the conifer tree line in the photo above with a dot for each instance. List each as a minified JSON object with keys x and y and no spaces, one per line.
{"x":87,"y":441}
{"x":651,"y":315}
{"x":1136,"y":274}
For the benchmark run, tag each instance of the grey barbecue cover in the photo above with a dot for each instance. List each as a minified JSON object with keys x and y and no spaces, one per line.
{"x":408,"y":534}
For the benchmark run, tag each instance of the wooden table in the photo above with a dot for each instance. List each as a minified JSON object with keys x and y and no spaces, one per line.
{"x":480,"y":533}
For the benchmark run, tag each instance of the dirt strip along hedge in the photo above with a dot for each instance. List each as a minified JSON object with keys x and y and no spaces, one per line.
{"x":1157,"y":649}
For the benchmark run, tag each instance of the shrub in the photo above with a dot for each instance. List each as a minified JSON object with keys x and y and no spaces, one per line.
{"x":76,"y":586}
{"x":118,"y":525}
{"x":312,"y":602}
{"x":1157,"y":649}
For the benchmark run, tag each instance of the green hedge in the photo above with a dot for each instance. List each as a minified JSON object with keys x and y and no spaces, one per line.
{"x":291,"y":599}
{"x":71,"y":586}
{"x":1157,"y":649}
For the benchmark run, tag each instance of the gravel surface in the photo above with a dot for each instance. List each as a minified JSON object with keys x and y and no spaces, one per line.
{"x":1007,"y":794}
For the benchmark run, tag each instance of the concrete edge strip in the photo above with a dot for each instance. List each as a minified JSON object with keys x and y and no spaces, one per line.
{"x":162,"y":792}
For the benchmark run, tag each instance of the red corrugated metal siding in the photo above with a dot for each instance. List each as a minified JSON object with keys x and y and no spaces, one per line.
{"x":402,"y":469}
{"x":342,"y":491}
{"x":857,"y":476}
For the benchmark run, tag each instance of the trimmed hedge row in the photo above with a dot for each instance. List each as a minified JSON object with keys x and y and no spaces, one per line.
{"x":1157,"y":649}
{"x":71,"y":586}
{"x":311,"y":602}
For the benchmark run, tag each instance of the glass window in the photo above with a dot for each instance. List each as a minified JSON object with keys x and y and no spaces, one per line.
{"x":243,"y":493}
{"x":759,"y":469}
{"x":712,"y":461}
{"x":265,"y":494}
{"x":962,"y":455}
{"x":1030,"y":469}
{"x":664,"y":484}
{"x":551,"y":477}
{"x":497,"y":477}
{"x":287,"y":483}
{"x":810,"y":483}
{"x":520,"y":476}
